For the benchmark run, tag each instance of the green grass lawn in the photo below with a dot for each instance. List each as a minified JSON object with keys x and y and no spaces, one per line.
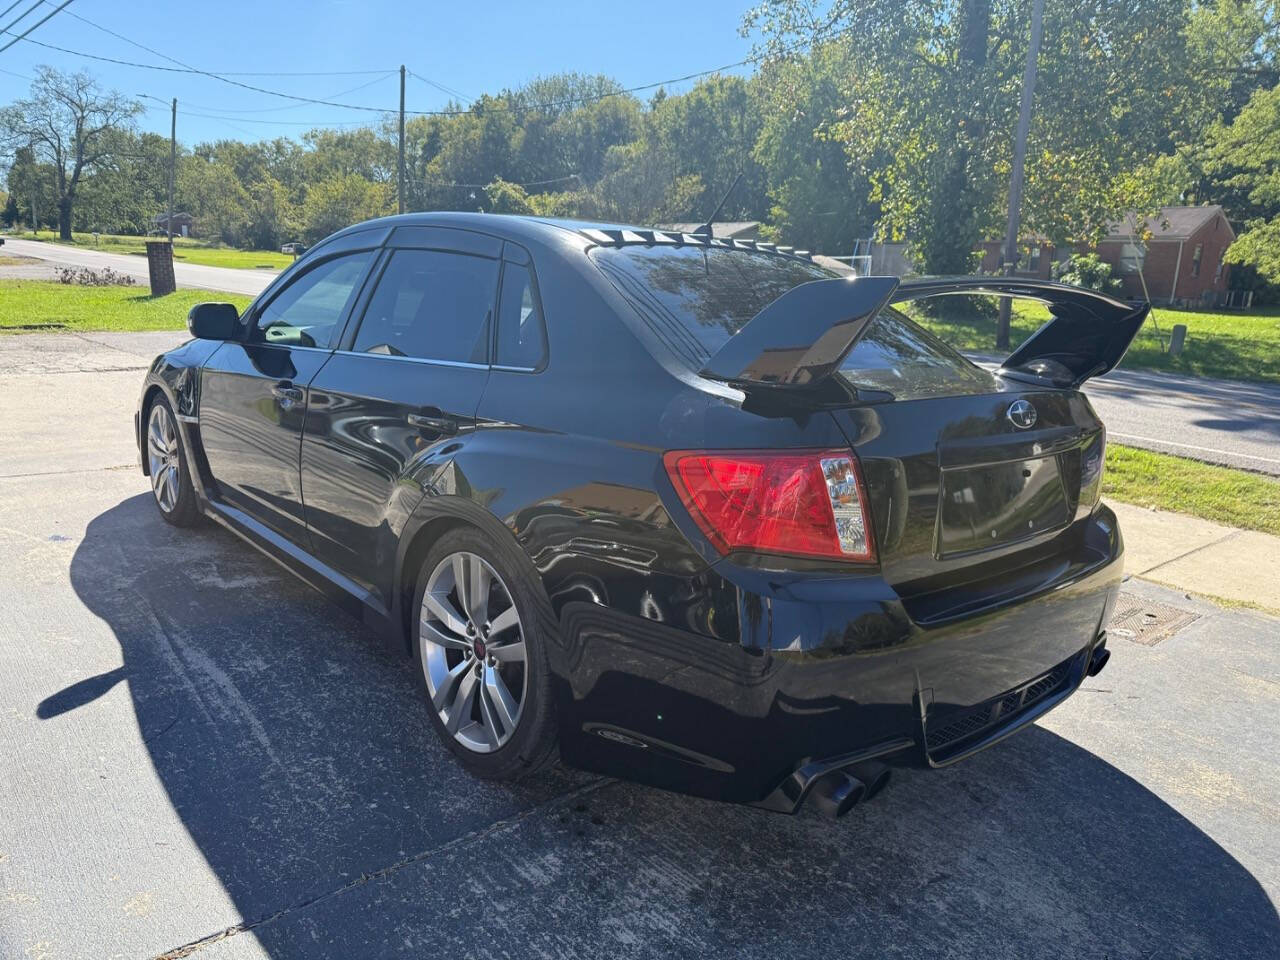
{"x":185,"y":249}
{"x":1235,"y":346}
{"x":1236,"y":498}
{"x":34,"y":305}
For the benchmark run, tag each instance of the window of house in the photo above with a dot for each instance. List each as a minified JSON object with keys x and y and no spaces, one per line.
{"x":1132,"y":257}
{"x":522,"y":339}
{"x":1195,"y":259}
{"x":431,"y":305}
{"x":1033,"y":258}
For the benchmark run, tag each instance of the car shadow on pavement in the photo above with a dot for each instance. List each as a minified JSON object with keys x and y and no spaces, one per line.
{"x":299,"y":757}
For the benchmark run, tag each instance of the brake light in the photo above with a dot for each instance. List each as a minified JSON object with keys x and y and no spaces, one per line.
{"x":810,"y":503}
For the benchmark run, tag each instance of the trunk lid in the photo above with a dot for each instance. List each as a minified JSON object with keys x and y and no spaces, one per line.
{"x":962,"y":494}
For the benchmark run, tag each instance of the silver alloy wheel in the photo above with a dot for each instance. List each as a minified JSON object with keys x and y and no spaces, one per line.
{"x":473,"y":652}
{"x":162,"y":457}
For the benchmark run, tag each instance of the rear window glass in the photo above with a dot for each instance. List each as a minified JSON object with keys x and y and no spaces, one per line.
{"x":693,"y":299}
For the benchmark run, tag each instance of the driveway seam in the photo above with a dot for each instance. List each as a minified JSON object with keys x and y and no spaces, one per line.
{"x":498,"y":826}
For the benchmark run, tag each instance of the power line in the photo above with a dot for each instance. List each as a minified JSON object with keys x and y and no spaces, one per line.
{"x":294,"y":106}
{"x":22,"y":15}
{"x":482,"y":186}
{"x":228,"y":73}
{"x":37,"y":24}
{"x":442,"y":88}
{"x":224,"y":77}
{"x":313,"y":124}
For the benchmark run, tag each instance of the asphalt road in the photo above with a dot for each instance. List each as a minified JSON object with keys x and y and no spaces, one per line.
{"x":1218,"y":421}
{"x":201,"y":757}
{"x":227,"y":279}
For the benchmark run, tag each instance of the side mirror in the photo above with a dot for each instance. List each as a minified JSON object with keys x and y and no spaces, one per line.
{"x":213,"y":321}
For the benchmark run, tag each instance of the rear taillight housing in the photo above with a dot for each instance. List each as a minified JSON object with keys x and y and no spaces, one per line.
{"x":798,"y":503}
{"x":1092,"y":458}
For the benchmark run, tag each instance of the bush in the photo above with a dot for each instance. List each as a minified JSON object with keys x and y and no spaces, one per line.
{"x":88,"y":277}
{"x":1088,"y":271}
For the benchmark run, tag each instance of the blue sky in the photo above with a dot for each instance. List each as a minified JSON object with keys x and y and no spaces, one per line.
{"x":472,"y":47}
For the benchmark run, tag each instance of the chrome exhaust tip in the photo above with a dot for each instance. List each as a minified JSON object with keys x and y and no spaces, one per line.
{"x":874,"y":775}
{"x":1098,"y":659}
{"x":835,"y":794}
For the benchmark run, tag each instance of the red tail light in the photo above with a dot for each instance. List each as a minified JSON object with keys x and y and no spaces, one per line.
{"x":803,"y":503}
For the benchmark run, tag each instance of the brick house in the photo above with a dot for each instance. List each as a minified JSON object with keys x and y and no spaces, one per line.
{"x":1183,"y":258}
{"x":1035,"y":257}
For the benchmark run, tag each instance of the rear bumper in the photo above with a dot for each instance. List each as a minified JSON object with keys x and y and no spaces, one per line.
{"x":831,"y":672}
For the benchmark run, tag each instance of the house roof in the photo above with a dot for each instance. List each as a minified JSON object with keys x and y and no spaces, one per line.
{"x":725,"y":228}
{"x":1170,"y":224}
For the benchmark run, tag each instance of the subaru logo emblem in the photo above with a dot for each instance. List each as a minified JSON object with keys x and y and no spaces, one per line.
{"x":1021,"y":414}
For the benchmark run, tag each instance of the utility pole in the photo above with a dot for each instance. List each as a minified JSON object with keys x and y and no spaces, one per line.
{"x":173,"y":163}
{"x":400,"y":190}
{"x":1016,"y":178}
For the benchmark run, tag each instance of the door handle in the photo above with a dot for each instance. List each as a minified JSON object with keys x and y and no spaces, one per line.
{"x":287,"y":393}
{"x":446,"y":425}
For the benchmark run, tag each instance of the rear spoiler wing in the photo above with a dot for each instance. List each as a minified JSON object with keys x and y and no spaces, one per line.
{"x":1087,"y":336}
{"x":800,"y":339}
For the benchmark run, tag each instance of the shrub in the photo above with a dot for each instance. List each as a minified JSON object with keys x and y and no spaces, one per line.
{"x":88,"y":277}
{"x":1088,"y":271}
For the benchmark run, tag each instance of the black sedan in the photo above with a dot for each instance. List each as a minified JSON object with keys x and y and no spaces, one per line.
{"x":696,"y":512}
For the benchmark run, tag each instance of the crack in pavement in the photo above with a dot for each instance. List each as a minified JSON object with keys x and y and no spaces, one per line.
{"x":498,"y":826}
{"x":63,"y":473}
{"x":1182,"y":556}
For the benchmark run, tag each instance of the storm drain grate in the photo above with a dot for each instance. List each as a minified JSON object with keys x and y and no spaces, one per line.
{"x":1143,"y":621}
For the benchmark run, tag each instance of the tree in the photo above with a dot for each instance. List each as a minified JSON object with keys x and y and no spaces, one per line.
{"x":341,"y":201}
{"x":32,"y":184}
{"x":10,"y":217}
{"x":930,"y":101}
{"x":68,"y":122}
{"x":507,"y":198}
{"x":819,"y":200}
{"x":210,"y":192}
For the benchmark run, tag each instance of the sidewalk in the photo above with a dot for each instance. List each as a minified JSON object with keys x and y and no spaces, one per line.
{"x":1196,"y":556}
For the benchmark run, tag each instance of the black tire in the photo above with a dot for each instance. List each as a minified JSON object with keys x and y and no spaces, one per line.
{"x":183,"y":511}
{"x":533,"y":743}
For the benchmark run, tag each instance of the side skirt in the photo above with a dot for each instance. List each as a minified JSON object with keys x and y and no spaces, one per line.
{"x":345,"y":593}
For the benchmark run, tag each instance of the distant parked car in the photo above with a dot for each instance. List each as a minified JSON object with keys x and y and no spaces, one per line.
{"x":697,"y":512}
{"x":294,"y":248}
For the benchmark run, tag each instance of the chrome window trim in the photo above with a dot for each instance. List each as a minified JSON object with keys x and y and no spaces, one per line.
{"x":508,"y":369}
{"x":286,"y":346}
{"x":467,"y":365}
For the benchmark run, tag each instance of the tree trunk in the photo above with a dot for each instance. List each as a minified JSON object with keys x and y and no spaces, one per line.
{"x":64,"y":218}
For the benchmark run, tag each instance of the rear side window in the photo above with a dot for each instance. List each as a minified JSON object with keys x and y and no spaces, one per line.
{"x":431,"y":305}
{"x":695,"y":298}
{"x":306,"y":312}
{"x":522,"y":338}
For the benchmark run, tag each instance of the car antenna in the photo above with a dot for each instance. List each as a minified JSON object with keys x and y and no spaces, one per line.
{"x":705,"y":229}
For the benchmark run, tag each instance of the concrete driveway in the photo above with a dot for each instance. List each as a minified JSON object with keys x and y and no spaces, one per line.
{"x":201,"y":757}
{"x":227,"y":279}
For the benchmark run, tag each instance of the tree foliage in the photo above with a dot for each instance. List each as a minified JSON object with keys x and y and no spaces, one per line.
{"x":70,"y":125}
{"x":891,"y":119}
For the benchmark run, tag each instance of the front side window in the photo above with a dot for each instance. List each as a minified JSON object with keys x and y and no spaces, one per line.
{"x":1196,"y":258}
{"x":307,"y":312}
{"x":522,"y":339}
{"x":431,"y":305}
